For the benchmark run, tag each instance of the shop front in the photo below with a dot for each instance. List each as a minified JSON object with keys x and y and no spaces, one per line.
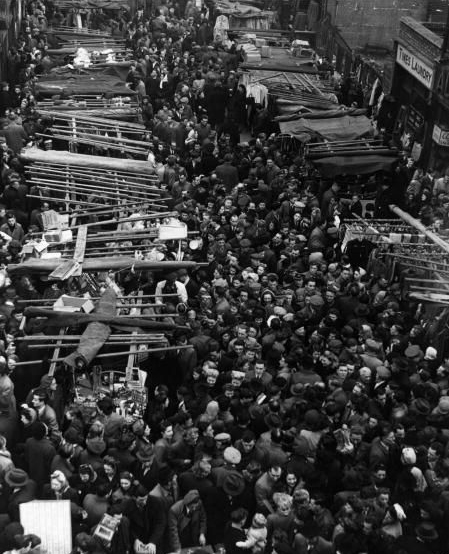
{"x":439,"y":158}
{"x":413,"y":81}
{"x":422,"y":121}
{"x":10,"y":23}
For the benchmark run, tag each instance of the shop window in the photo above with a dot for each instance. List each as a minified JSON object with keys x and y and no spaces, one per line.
{"x":443,"y":82}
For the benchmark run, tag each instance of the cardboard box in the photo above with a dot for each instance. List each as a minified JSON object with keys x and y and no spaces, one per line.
{"x":53,"y":236}
{"x":51,"y":256}
{"x":265,"y":52}
{"x":253,"y":56}
{"x":40,"y":247}
{"x":67,"y":303}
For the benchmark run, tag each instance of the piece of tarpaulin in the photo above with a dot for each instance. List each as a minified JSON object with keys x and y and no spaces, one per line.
{"x":84,"y":85}
{"x":305,"y":113}
{"x":334,"y":128}
{"x":96,"y":333}
{"x":353,"y":165}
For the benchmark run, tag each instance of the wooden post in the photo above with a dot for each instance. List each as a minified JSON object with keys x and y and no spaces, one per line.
{"x":133,"y":347}
{"x":54,"y":358}
{"x":80,"y":248}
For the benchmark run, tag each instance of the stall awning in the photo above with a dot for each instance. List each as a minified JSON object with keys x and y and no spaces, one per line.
{"x":334,"y":128}
{"x":97,"y":4}
{"x":353,"y":165}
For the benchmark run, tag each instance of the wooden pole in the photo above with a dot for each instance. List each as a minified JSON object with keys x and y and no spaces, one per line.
{"x":426,"y":298}
{"x":75,"y":344}
{"x":98,"y":177}
{"x":56,"y":352}
{"x":128,"y":219}
{"x":85,"y":188}
{"x":420,"y":227}
{"x":133,"y":348}
{"x":420,"y":280}
{"x":122,"y":206}
{"x":429,"y":290}
{"x":148,"y":337}
{"x":101,"y":264}
{"x":101,"y":175}
{"x":63,"y":201}
{"x":113,"y":354}
{"x":34,"y":154}
{"x":53,"y":300}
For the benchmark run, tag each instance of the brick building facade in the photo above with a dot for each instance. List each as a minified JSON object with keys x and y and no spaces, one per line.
{"x":373,"y":23}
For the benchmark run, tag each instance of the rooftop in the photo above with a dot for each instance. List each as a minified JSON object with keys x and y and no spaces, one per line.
{"x":425,"y":30}
{"x":436,"y":28}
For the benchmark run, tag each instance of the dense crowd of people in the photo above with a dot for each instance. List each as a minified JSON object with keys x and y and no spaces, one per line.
{"x":310,"y":413}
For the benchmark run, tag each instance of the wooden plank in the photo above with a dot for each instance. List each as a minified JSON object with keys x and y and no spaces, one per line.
{"x":54,"y":358}
{"x":80,"y":249}
{"x":64,"y":270}
{"x":133,"y":347}
{"x":80,"y":245}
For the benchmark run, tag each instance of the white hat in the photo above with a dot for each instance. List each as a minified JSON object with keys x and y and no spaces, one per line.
{"x":431,"y":353}
{"x":401,"y":515}
{"x":232,"y":455}
{"x":408,"y":456}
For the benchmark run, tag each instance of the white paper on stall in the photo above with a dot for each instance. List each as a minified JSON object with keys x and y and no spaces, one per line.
{"x":51,"y":521}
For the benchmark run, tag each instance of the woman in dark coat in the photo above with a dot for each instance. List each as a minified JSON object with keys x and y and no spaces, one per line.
{"x":238,"y":107}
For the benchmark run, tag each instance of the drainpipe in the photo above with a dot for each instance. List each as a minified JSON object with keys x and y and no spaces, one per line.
{"x":444,"y":53}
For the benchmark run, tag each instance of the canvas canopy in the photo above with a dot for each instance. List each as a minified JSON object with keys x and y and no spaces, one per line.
{"x":347,"y":127}
{"x":353,"y":165}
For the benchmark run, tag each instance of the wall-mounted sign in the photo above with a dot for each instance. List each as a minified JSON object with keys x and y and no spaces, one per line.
{"x":416,"y":67}
{"x":440,"y":136}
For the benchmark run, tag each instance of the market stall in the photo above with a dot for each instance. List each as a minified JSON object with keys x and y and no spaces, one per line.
{"x":76,"y":129}
{"x":242,"y":15}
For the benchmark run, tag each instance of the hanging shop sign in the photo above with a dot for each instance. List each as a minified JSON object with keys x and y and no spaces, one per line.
{"x":416,"y":67}
{"x":440,"y":136}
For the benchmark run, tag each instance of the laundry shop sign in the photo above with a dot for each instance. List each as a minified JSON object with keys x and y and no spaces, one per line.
{"x":416,"y":67}
{"x":440,"y":136}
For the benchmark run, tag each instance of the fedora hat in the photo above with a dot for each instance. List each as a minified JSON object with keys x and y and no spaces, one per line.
{"x":421,"y":406}
{"x":273,"y":420}
{"x":96,"y":446}
{"x":426,"y":531}
{"x":16,"y":478}
{"x":233,"y":484}
{"x":145,"y":452}
{"x":443,"y":406}
{"x":297,"y":389}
